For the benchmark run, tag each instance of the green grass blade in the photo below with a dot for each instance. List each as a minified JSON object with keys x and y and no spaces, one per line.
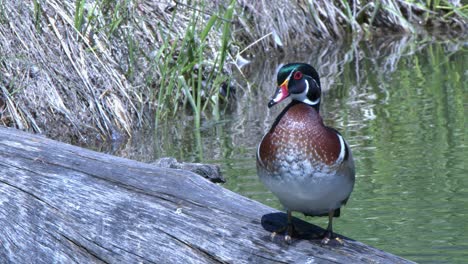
{"x":226,"y":33}
{"x":208,"y":27}
{"x":79,"y":14}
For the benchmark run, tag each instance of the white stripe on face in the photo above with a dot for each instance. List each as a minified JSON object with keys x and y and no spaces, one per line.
{"x":289,"y":76}
{"x":303,"y":96}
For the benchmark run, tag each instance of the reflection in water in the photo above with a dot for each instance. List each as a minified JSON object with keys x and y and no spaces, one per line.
{"x":401,"y":105}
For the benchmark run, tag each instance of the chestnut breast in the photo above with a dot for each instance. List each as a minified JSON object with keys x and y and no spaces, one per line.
{"x":298,"y":134}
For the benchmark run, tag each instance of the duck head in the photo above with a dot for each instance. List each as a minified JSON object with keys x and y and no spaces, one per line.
{"x":300,"y":81}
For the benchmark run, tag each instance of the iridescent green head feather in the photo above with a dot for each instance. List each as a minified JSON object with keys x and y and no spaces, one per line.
{"x":301,"y":82}
{"x":305,"y":68}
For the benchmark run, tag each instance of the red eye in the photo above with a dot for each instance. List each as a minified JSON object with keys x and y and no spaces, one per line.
{"x":297,"y":75}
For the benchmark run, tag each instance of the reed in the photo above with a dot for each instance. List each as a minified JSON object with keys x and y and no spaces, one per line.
{"x":186,"y":73}
{"x":104,"y":68}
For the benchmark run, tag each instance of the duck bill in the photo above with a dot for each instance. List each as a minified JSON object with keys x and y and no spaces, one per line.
{"x":280,"y":94}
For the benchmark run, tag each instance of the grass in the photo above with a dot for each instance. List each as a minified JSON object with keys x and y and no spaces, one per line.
{"x":104,"y":68}
{"x":192,"y":77}
{"x":337,"y":20}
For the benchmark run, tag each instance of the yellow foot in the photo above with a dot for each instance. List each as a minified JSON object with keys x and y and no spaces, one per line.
{"x":339,"y":240}
{"x":328,"y":236}
{"x":287,"y":237}
{"x":273,"y":235}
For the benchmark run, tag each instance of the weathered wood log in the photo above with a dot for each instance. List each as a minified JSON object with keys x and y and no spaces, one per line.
{"x":209,"y":171}
{"x":64,"y":204}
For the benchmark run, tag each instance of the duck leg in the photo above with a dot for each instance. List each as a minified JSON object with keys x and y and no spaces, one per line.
{"x":329,"y":232}
{"x":289,"y":228}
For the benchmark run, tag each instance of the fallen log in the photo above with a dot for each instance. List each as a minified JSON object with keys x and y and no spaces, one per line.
{"x":208,"y":171}
{"x":64,"y":204}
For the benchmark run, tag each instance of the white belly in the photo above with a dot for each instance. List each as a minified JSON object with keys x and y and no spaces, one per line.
{"x":312,"y":194}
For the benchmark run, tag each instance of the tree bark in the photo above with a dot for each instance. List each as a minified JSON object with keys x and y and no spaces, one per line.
{"x":64,"y":204}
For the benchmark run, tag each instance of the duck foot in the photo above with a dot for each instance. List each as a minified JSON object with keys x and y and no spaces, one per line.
{"x":289,"y":228}
{"x":328,"y":237}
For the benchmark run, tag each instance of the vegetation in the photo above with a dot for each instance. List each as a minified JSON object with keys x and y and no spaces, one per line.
{"x":83,"y":68}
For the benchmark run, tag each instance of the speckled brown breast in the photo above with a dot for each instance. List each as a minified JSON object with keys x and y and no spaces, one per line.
{"x":298,"y":134}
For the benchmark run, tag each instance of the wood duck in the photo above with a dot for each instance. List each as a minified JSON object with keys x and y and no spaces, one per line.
{"x":306,"y":164}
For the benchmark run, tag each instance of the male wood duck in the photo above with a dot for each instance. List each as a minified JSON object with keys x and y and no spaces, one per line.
{"x":306,"y":164}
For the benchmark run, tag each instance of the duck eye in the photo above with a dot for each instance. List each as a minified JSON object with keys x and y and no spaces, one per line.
{"x":297,"y":75}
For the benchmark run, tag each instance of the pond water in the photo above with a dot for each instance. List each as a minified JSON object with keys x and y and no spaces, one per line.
{"x":400,"y":104}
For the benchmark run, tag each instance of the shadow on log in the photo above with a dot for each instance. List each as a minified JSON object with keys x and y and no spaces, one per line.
{"x":64,"y":204}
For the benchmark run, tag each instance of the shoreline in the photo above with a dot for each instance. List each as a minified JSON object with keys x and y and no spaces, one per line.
{"x":79,"y":71}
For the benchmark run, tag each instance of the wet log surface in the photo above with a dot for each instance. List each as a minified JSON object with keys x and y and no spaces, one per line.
{"x":64,"y":204}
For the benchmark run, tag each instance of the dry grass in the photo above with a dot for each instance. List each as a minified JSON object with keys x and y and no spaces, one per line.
{"x":95,"y":70}
{"x":90,"y":73}
{"x":52,"y":76}
{"x":301,"y":23}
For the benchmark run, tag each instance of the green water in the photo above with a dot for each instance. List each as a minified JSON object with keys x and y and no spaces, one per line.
{"x":400,"y":104}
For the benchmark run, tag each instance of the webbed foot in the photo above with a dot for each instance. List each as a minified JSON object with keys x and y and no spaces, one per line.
{"x":289,"y":228}
{"x":328,"y":236}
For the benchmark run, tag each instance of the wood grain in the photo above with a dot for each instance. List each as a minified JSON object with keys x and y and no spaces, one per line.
{"x":64,"y":204}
